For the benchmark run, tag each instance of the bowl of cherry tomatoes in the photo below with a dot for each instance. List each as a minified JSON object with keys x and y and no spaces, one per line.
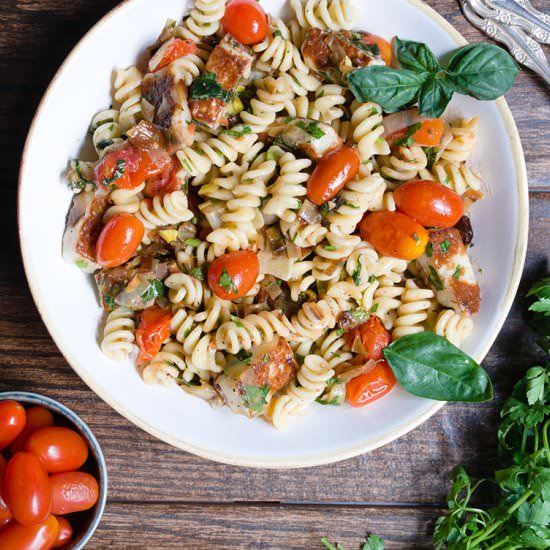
{"x":53,"y":477}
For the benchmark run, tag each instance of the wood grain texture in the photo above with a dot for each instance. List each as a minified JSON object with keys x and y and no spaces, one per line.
{"x":160,"y":496}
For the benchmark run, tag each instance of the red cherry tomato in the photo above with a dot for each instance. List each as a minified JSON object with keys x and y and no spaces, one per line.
{"x":232,"y":275}
{"x":163,"y":182}
{"x":30,"y":537}
{"x":429,"y":203}
{"x":428,"y":135}
{"x":117,"y":168}
{"x":384,"y":46}
{"x":373,"y":335}
{"x":37,"y":417}
{"x":153,"y":330}
{"x":371,"y":386}
{"x":27,"y":489}
{"x":246,"y":21}
{"x":394,"y":234}
{"x":152,"y":164}
{"x":59,"y":449}
{"x":170,"y":51}
{"x":73,"y":492}
{"x":331,"y":174}
{"x":65,"y":532}
{"x":5,"y":514}
{"x":12,"y":421}
{"x":118,"y":240}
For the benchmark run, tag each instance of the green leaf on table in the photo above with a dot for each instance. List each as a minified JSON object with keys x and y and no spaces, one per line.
{"x":434,"y":97}
{"x":540,"y":289}
{"x":373,"y":542}
{"x":536,"y":514}
{"x":392,"y":89}
{"x":428,"y":365}
{"x":415,"y":56}
{"x":542,"y":306}
{"x":536,"y":382}
{"x":484,"y":71}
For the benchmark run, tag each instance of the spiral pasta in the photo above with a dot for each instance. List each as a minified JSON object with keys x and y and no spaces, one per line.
{"x":325,"y":14}
{"x":412,"y":313}
{"x":127,"y":85}
{"x":124,"y":201}
{"x":118,"y":334}
{"x":456,"y":327}
{"x":331,"y":349}
{"x":165,"y":366}
{"x":166,"y":210}
{"x":185,"y":290}
{"x":302,"y":234}
{"x":203,"y":20}
{"x":386,"y":300}
{"x":368,"y":131}
{"x":311,"y":321}
{"x":460,"y":178}
{"x":106,"y":131}
{"x":463,"y":141}
{"x":404,"y":164}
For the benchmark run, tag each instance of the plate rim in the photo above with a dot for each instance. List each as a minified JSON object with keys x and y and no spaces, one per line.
{"x":309,"y":460}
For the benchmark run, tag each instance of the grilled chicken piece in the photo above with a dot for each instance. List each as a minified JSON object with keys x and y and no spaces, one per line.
{"x":247,"y":386}
{"x":82,"y":228}
{"x":447,"y":269}
{"x":228,"y":65}
{"x":314,"y":138}
{"x":322,"y":49}
{"x":165,"y":106}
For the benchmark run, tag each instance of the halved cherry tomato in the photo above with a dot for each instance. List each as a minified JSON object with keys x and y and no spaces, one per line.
{"x":373,"y":335}
{"x":153,"y":330}
{"x":164,"y":182}
{"x":5,"y":514}
{"x":59,"y":449}
{"x":73,"y":492}
{"x":118,"y":240}
{"x":65,"y":532}
{"x":428,"y":135}
{"x":430,"y":203}
{"x":153,"y":163}
{"x":384,"y":46}
{"x":246,"y":21}
{"x":117,"y":168}
{"x":27,"y":489}
{"x":331,"y":174}
{"x":394,"y":234}
{"x":12,"y":421}
{"x":232,"y":275}
{"x":37,"y":417}
{"x":371,"y":386}
{"x":170,"y":51}
{"x":30,"y":537}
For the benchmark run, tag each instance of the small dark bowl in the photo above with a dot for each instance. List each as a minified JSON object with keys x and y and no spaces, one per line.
{"x":83,"y":523}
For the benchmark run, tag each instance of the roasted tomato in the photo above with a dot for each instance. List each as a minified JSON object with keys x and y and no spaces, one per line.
{"x":384,"y":47}
{"x":73,"y":492}
{"x":117,"y":168}
{"x":65,"y":532}
{"x":164,"y":182}
{"x":59,"y":449}
{"x":371,"y":386}
{"x":153,"y":330}
{"x":153,"y":164}
{"x":425,"y":132}
{"x":246,"y":21}
{"x":27,"y":489}
{"x":170,"y":51}
{"x":118,"y":240}
{"x":232,"y":275}
{"x":374,"y":337}
{"x":430,"y":203}
{"x":30,"y":537}
{"x":12,"y":421}
{"x":394,"y":234}
{"x":37,"y":417}
{"x":331,"y":174}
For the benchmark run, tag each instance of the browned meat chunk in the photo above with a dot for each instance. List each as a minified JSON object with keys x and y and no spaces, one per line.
{"x":209,"y":111}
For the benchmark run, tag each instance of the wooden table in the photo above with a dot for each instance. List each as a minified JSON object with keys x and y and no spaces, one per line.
{"x":162,"y":497}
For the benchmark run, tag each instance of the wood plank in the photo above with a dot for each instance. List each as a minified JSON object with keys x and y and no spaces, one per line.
{"x":411,"y":470}
{"x":254,"y":527}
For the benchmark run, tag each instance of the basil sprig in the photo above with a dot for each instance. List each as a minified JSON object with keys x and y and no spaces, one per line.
{"x":483,"y":71}
{"x":428,"y":365}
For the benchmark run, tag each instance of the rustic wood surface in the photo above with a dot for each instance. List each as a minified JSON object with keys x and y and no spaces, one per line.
{"x":162,"y":497}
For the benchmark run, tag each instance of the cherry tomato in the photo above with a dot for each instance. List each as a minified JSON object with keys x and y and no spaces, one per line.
{"x":246,"y":21}
{"x":37,"y":417}
{"x":65,"y":532}
{"x":331,"y":174}
{"x":428,"y":135}
{"x":371,"y":386}
{"x":30,"y":537}
{"x":429,"y":203}
{"x":5,"y":514}
{"x":27,"y":489}
{"x":163,"y":182}
{"x":117,"y":168}
{"x":374,"y":337}
{"x":170,"y":51}
{"x":59,"y":449}
{"x":394,"y":234}
{"x":153,"y":330}
{"x":12,"y":421}
{"x":73,"y":492}
{"x":384,"y":46}
{"x":232,"y":275}
{"x":152,"y":164}
{"x":118,"y":240}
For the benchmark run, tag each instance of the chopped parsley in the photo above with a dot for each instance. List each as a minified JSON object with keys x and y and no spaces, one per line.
{"x":207,"y":87}
{"x":374,"y":308}
{"x":82,"y":264}
{"x":429,"y":250}
{"x":457,"y":272}
{"x":435,"y":280}
{"x":255,"y":398}
{"x":431,"y":155}
{"x":117,"y":174}
{"x":408,"y":139}
{"x":244,"y":356}
{"x":351,"y":205}
{"x":372,"y":278}
{"x":236,"y":320}
{"x":325,"y":209}
{"x":192,"y":242}
{"x":369,"y":48}
{"x":266,"y":358}
{"x":357,"y":273}
{"x":360,"y":316}
{"x":226,"y":282}
{"x":445,"y":245}
{"x":198,"y":273}
{"x":154,"y":290}
{"x":109,"y":301}
{"x":104,"y":143}
{"x":238,"y":133}
{"x":277,"y":32}
{"x":415,"y":237}
{"x":330,"y":247}
{"x":312,"y":128}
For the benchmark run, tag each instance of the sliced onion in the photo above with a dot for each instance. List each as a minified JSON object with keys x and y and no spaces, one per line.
{"x":309,"y":213}
{"x":354,"y":372}
{"x":399,"y":121}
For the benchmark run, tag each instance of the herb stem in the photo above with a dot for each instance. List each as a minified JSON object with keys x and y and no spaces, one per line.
{"x":545,"y":440}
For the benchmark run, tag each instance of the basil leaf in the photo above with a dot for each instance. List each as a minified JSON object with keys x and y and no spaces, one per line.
{"x":483,"y":71}
{"x":207,"y":87}
{"x":428,"y":365}
{"x":392,"y":89}
{"x":415,"y":56}
{"x":434,"y":97}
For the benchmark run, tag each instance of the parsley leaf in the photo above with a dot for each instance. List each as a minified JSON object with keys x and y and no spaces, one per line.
{"x":255,"y":398}
{"x":153,"y":291}
{"x":117,"y":174}
{"x":236,"y":320}
{"x":207,"y":87}
{"x":435,"y":280}
{"x":408,"y":139}
{"x":357,"y":273}
{"x":312,"y":128}
{"x":198,"y":273}
{"x":226,"y":282}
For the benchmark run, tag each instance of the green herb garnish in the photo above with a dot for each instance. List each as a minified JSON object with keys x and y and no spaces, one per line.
{"x":312,"y":128}
{"x":435,"y":280}
{"x":255,"y":398}
{"x":206,"y":86}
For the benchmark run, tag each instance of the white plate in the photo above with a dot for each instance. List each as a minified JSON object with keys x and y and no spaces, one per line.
{"x":67,"y":299}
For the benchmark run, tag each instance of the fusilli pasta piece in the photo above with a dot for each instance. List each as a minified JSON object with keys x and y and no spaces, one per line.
{"x":127,"y":94}
{"x":456,"y":327}
{"x":412,"y":313}
{"x":325,"y":14}
{"x":118,"y":334}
